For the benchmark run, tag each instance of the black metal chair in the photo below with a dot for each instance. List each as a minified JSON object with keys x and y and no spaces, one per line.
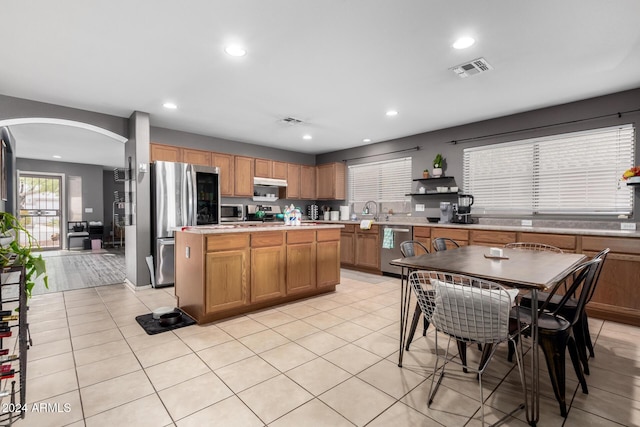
{"x":581,"y":332}
{"x":556,"y":333}
{"x":440,"y":243}
{"x":410,"y":248}
{"x":530,"y":246}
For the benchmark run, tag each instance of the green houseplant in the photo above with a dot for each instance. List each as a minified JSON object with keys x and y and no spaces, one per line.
{"x":437,"y":165}
{"x":21,"y":254}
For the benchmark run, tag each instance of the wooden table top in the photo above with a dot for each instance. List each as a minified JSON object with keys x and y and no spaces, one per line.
{"x":523,"y":269}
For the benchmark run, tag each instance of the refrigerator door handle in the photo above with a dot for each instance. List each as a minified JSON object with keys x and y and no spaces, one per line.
{"x":191,"y":209}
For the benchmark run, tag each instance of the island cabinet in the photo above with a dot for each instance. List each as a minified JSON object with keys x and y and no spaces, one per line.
{"x":301,"y":261}
{"x":268,"y":264}
{"x":224,"y":274}
{"x":491,"y":238}
{"x":617,"y":294}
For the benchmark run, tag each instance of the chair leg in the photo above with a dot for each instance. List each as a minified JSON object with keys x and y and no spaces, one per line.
{"x":426,"y":326}
{"x":512,"y":348}
{"x":414,"y":325}
{"x":554,"y":348}
{"x":587,"y":335}
{"x":575,"y":359}
{"x":581,"y":344}
{"x":462,"y":352}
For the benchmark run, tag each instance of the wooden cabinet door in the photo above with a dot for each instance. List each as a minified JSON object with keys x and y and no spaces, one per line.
{"x":243,"y":183}
{"x":307,"y":182}
{"x":328,"y":263}
{"x":268,"y":265}
{"x":196,"y":157}
{"x":267,"y":273}
{"x":263,"y":168}
{"x":292,"y":191}
{"x":301,"y":267}
{"x":165,"y":153}
{"x":461,"y":236}
{"x":423,"y":235}
{"x":330,"y":181}
{"x":279,"y":170}
{"x":491,"y":237}
{"x":227,"y":280}
{"x":368,"y":249}
{"x":226,"y":163}
{"x":566,"y":242}
{"x":347,"y":248}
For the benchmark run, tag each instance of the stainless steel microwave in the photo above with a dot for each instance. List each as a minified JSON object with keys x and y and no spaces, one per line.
{"x":230,"y":213}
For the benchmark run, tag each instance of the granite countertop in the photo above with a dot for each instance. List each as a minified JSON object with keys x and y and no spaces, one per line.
{"x":532,"y":229}
{"x":256,"y":227}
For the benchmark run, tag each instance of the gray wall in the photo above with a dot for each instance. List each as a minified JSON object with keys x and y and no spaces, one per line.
{"x":558,"y":119}
{"x":92,"y":177}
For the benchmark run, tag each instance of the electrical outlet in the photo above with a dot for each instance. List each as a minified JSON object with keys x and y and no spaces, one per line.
{"x":526,"y":223}
{"x":420,"y":208}
{"x":627,"y":226}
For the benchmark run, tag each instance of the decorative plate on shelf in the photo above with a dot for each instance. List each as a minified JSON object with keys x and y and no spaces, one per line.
{"x":633,"y":180}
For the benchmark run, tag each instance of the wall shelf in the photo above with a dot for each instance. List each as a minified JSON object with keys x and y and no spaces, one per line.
{"x":434,"y":179}
{"x":433,"y":193}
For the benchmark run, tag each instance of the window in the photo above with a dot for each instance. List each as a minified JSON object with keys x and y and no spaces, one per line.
{"x":573,"y":173}
{"x":386,"y":182}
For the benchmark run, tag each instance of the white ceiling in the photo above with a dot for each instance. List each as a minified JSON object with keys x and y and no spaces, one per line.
{"x":337,"y":65}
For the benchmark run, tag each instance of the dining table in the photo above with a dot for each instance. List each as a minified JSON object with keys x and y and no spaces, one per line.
{"x":517,"y":268}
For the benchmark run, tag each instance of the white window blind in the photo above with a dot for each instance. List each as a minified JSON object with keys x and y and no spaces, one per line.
{"x":573,"y":173}
{"x":386,"y":182}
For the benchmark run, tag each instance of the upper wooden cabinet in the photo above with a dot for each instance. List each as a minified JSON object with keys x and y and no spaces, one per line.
{"x":263,"y":168}
{"x":307,"y":182}
{"x":165,"y":153}
{"x":226,"y":163}
{"x":292,"y":190}
{"x":196,"y":157}
{"x":330,"y":181}
{"x":243,"y":181}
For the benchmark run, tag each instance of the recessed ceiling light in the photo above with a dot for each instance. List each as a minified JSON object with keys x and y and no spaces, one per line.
{"x":463,"y":43}
{"x":55,"y":156}
{"x":170,"y":105}
{"x":235,"y":50}
{"x":307,"y":137}
{"x":392,"y":113}
{"x":366,"y":140}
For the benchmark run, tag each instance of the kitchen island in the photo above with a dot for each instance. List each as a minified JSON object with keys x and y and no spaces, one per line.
{"x":226,"y":270}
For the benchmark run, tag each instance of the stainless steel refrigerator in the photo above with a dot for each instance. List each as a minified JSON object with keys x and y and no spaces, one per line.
{"x":182,"y":195}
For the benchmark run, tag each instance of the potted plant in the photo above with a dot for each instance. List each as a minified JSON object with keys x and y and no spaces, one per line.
{"x":437,"y":166}
{"x":13,"y":252}
{"x":425,"y":173}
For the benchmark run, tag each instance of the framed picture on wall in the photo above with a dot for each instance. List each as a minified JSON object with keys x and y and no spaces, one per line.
{"x":3,"y":171}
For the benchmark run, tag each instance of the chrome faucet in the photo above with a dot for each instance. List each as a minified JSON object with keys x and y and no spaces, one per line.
{"x":366,"y":210}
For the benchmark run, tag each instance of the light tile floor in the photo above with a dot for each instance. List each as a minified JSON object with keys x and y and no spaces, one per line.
{"x":324,"y":361}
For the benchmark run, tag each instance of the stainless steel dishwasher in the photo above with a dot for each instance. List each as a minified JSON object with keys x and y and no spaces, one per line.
{"x":390,"y":250}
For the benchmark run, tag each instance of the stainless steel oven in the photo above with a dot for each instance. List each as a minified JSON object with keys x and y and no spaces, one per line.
{"x":231,"y":213}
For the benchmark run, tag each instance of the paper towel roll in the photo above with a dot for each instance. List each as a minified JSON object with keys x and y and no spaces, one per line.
{"x":344,"y":213}
{"x":335,"y":215}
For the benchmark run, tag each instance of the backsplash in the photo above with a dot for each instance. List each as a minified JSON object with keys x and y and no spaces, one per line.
{"x":553,"y":223}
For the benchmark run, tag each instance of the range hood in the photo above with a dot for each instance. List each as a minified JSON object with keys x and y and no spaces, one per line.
{"x":269,"y":182}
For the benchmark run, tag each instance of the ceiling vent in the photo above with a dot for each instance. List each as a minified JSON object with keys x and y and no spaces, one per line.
{"x":472,"y":68}
{"x":291,"y":121}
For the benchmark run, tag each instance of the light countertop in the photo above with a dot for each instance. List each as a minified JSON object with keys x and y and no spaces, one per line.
{"x":257,"y":227}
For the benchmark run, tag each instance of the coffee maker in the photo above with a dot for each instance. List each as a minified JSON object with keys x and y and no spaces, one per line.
{"x":462,"y":211}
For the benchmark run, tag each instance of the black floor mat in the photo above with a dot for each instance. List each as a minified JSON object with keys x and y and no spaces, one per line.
{"x":152,"y":326}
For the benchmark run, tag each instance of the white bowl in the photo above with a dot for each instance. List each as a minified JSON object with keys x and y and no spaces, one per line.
{"x":442,"y":189}
{"x":453,"y":189}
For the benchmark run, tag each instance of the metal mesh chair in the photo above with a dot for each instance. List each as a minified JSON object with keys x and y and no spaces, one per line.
{"x":441,"y":243}
{"x":530,"y":246}
{"x":470,"y":310}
